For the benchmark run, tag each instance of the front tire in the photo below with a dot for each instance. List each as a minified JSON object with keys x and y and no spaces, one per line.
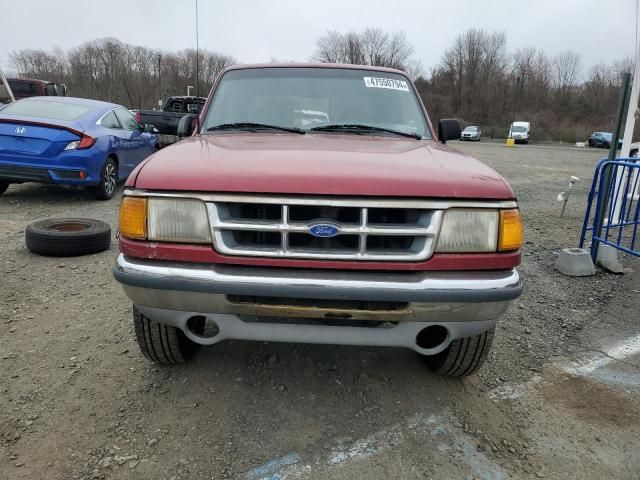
{"x":108,"y":180}
{"x":162,"y":343}
{"x":463,"y":356}
{"x":3,"y":187}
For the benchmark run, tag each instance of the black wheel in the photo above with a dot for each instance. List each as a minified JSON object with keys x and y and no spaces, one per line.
{"x":162,"y":343}
{"x":606,"y":145}
{"x":3,"y":187}
{"x":463,"y":357}
{"x":67,"y":237}
{"x":591,"y":143}
{"x":108,"y":180}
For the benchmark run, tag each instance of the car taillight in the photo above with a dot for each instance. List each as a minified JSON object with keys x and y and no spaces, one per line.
{"x":138,"y":117}
{"x":85,"y":142}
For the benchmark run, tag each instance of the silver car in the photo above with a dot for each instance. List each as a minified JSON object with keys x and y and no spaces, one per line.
{"x":471,"y":133}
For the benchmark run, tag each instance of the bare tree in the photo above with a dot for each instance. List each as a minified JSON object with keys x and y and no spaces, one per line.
{"x":373,"y":46}
{"x":566,"y":68}
{"x":108,"y":69}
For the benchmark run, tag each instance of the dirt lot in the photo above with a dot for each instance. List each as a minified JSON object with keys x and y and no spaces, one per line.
{"x":557,"y":399}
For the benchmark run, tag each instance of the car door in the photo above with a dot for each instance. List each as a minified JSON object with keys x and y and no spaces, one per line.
{"x":139,"y":145}
{"x":118,"y":141}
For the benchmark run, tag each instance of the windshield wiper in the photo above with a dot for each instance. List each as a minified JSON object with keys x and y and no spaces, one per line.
{"x":254,"y":126}
{"x":354,"y":127}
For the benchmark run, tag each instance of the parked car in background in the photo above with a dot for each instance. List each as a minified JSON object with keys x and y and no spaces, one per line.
{"x":166,"y":120}
{"x":6,"y":95}
{"x":520,"y":132}
{"x":29,"y":87}
{"x":602,"y":140}
{"x":71,"y":141}
{"x":359,"y":227}
{"x":471,"y":133}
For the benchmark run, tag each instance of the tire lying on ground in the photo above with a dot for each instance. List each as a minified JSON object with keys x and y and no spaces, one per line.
{"x":68,"y":237}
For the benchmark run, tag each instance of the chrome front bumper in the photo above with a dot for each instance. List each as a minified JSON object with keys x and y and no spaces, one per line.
{"x":465,"y":303}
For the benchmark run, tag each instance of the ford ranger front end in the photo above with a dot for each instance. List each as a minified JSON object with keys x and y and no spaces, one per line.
{"x":353,"y":227}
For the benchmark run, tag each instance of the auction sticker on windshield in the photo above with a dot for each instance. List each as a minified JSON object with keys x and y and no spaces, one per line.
{"x":381,"y":82}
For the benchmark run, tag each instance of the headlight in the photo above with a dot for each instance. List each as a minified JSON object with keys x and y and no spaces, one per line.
{"x":468,"y":230}
{"x":480,"y":230}
{"x":180,"y":220}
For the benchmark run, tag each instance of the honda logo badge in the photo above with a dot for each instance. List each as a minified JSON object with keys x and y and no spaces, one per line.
{"x":21,"y":130}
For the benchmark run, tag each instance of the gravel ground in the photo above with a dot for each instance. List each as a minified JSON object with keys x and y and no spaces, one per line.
{"x":558,"y":397}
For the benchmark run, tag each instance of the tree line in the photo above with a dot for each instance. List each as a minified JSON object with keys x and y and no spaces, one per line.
{"x":477,"y":79}
{"x":110,"y":70}
{"x":480,"y":82}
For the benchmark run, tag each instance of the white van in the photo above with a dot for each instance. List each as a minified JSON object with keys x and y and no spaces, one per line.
{"x":6,"y":96}
{"x":520,"y":132}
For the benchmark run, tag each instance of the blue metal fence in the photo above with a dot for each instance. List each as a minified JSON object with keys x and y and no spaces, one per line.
{"x":614,"y":218}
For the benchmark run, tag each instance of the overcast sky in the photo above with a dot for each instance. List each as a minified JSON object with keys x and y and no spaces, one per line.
{"x":256,"y":31}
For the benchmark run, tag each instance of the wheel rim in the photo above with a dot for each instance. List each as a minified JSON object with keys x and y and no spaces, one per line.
{"x":110,"y":178}
{"x":70,"y":226}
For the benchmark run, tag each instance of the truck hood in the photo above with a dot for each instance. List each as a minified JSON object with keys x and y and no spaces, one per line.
{"x":319,"y":164}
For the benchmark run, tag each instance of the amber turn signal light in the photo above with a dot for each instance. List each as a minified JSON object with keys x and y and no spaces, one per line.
{"x":510,"y":234}
{"x":133,"y":218}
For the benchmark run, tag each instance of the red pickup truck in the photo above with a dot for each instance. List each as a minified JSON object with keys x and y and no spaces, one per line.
{"x":316,"y":203}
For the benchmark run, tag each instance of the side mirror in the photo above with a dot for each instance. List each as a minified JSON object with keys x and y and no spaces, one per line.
{"x":449,"y":129}
{"x":186,"y":126}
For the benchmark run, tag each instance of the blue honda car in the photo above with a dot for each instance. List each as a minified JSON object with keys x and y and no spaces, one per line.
{"x":71,"y":141}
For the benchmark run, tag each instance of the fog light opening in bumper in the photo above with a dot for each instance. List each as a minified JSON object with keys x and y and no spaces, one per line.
{"x":203,"y":327}
{"x":431,"y":337}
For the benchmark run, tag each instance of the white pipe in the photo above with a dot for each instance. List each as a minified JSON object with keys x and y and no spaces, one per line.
{"x":620,"y":180}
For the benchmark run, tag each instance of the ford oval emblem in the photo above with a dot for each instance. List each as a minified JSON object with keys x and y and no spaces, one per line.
{"x":324,"y":230}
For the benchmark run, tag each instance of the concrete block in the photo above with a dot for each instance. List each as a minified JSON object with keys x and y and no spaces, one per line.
{"x":575,"y":262}
{"x":608,"y":259}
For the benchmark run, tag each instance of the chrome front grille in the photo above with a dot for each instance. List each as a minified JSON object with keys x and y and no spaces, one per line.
{"x":368,"y":230}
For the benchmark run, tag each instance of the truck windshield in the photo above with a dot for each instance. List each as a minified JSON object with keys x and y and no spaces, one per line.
{"x":518,"y":129}
{"x":308,"y":98}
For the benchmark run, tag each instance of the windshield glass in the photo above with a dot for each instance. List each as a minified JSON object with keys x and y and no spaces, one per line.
{"x":518,"y":129}
{"x":23,"y":87}
{"x":306,"y":98}
{"x":471,"y":129}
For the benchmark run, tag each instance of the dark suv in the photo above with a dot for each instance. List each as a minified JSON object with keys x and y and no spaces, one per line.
{"x":602,"y":140}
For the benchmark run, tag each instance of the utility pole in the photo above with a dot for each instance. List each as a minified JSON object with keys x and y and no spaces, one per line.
{"x":197,"y":54}
{"x":159,"y":84}
{"x":515,"y":105}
